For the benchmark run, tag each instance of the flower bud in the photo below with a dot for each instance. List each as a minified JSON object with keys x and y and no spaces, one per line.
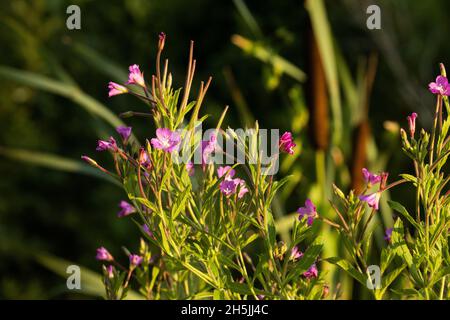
{"x":162,"y":39}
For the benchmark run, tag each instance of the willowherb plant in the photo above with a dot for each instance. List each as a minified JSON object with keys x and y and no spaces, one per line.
{"x":207,"y":230}
{"x":417,"y":252}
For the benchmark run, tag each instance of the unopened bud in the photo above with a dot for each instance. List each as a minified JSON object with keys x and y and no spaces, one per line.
{"x":443,"y":72}
{"x":338,"y":192}
{"x":89,"y":161}
{"x":127,"y":114}
{"x":162,"y":39}
{"x":169,"y":81}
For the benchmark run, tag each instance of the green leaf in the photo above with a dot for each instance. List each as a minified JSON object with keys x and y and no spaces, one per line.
{"x":349,"y":269}
{"x":398,"y":244}
{"x":250,"y":239}
{"x":402,"y":210}
{"x":180,"y":203}
{"x":387,"y":281}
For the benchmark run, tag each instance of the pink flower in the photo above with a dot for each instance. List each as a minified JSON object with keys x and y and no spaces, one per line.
{"x":296,"y":253}
{"x":190,"y":168}
{"x":227,"y":171}
{"x":371,"y":178}
{"x":228,"y":187}
{"x":372,"y":199}
{"x":124,"y":133}
{"x":440,"y":87}
{"x":208,"y":147}
{"x":135,"y":260}
{"x":115,"y":89}
{"x":242,"y":188}
{"x":148,"y":231}
{"x":286,"y":143}
{"x":388,"y":234}
{"x":166,"y":140}
{"x":309,"y":210}
{"x":126,"y":209}
{"x":107,"y":145}
{"x":136,"y":76}
{"x":412,"y":123}
{"x":103,"y":255}
{"x":312,"y":272}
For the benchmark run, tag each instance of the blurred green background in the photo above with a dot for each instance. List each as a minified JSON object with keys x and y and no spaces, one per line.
{"x":43,"y":210}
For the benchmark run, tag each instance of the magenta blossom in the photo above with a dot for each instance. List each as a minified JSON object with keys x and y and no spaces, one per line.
{"x":126,"y":209}
{"x":228,"y":187}
{"x":370,"y":177}
{"x":412,"y":123}
{"x":166,"y":140}
{"x":115,"y":89}
{"x":190,"y":168}
{"x":135,"y":260}
{"x":124,"y":133}
{"x":136,"y":76}
{"x":440,"y":87}
{"x":373,"y":199}
{"x":286,"y":143}
{"x":312,"y":272}
{"x":309,"y":210}
{"x":296,"y":253}
{"x":147,"y":231}
{"x":107,"y":145}
{"x":388,"y":234}
{"x":208,"y":147}
{"x":242,"y":188}
{"x":227,"y":171}
{"x":103,"y":255}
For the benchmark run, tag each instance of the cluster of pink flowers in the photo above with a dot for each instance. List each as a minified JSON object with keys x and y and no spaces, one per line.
{"x":373,"y":199}
{"x":111,"y":144}
{"x":104,"y":255}
{"x":135,"y":77}
{"x":230,"y":186}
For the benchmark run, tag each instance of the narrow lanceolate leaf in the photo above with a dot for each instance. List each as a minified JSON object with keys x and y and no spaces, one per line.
{"x":349,"y":269}
{"x":387,"y":281}
{"x":399,"y":244}
{"x":180,"y":203}
{"x":402,"y":210}
{"x":54,"y":162}
{"x":91,"y":282}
